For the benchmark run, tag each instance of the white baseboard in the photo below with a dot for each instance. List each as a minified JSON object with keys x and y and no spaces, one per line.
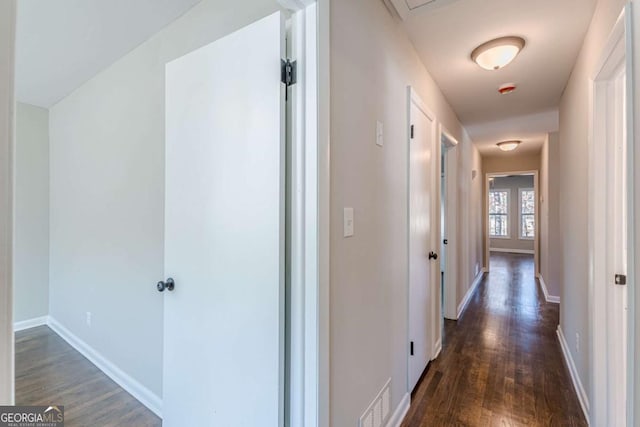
{"x":133,"y":387}
{"x":513,"y":251}
{"x":463,"y":304}
{"x":575,"y":378}
{"x":438,"y":349}
{"x":30,"y":323}
{"x":401,"y":411}
{"x":547,"y":297}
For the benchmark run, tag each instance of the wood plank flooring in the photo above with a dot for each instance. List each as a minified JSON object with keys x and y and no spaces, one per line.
{"x":50,"y":371}
{"x":501,"y":363}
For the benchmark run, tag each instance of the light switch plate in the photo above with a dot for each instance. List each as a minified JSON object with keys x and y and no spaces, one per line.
{"x":379,"y":134}
{"x":348,"y":222}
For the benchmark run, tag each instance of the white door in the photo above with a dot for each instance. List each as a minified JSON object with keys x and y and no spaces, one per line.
{"x":224,"y":229}
{"x":609,"y":218}
{"x":617,"y":246}
{"x":421,"y":296}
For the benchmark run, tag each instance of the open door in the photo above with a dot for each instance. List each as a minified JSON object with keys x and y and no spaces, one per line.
{"x":449,"y":223}
{"x":224,"y":232}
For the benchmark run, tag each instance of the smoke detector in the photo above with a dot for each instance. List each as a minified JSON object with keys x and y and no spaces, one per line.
{"x":507,"y":88}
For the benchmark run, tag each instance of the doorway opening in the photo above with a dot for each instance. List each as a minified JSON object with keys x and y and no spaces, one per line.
{"x":448,"y":225}
{"x":262,"y":134}
{"x":512,"y":216}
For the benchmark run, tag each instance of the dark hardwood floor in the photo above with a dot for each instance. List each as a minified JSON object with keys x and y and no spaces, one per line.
{"x":501,"y":363}
{"x":50,"y":372}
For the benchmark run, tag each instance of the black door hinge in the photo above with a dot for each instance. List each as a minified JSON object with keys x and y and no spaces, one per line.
{"x":411,"y":347}
{"x":289,"y":73}
{"x":621,"y":279}
{"x":411,"y":131}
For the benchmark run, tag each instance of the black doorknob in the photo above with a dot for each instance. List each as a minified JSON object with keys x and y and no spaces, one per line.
{"x":433,"y":255}
{"x":169,"y":284}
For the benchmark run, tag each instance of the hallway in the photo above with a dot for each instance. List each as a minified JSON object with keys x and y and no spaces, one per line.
{"x":501,"y":363}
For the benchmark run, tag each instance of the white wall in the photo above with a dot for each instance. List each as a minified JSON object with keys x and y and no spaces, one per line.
{"x":31,"y":226}
{"x":7,"y":53}
{"x":550,"y":232}
{"x":513,"y":184}
{"x":573,"y":156}
{"x":544,"y":207}
{"x":372,"y":63}
{"x":107,"y":193}
{"x":470,"y":221}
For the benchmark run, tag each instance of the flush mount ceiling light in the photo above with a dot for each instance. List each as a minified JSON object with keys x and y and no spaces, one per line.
{"x":508,"y":145}
{"x":497,"y":53}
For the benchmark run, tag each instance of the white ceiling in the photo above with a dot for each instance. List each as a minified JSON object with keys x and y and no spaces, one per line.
{"x":61,"y":44}
{"x":531,"y":129}
{"x":554,"y":30}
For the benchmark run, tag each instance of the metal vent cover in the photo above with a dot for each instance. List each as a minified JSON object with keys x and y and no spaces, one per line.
{"x":404,"y":8}
{"x":415,"y":4}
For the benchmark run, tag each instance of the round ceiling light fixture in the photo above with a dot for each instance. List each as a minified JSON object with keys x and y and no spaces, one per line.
{"x":508,"y":145}
{"x":507,"y":88}
{"x":497,"y":53}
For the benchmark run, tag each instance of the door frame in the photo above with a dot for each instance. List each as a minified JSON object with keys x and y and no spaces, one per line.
{"x":633,"y":266}
{"x":308,"y":400}
{"x":536,"y":240}
{"x":414,"y":97}
{"x":616,"y":52}
{"x":451,"y":211}
{"x":7,"y":144}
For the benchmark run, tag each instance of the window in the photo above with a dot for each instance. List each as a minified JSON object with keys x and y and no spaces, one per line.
{"x":527,"y":213}
{"x":499,"y":213}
